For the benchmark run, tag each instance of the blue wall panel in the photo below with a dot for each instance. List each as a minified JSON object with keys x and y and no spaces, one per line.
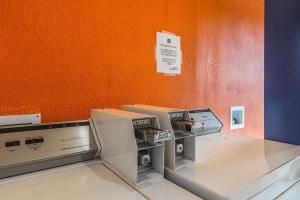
{"x":282,"y":70}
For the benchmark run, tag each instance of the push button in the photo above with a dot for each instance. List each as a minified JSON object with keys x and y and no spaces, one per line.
{"x":34,"y":141}
{"x":12,"y":143}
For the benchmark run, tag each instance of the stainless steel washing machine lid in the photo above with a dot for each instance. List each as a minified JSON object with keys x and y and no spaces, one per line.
{"x":160,"y":189}
{"x":235,"y":167}
{"x":292,"y":193}
{"x":37,"y":163}
{"x":92,"y":181}
{"x":32,"y":155}
{"x":164,"y":189}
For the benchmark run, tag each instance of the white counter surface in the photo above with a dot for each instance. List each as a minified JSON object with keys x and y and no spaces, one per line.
{"x":75,"y":182}
{"x":236,"y":167}
{"x":86,"y":181}
{"x":164,"y":189}
{"x":292,"y":193}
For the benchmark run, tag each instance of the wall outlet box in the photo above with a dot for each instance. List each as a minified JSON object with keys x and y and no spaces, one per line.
{"x":20,"y":119}
{"x":237,"y":117}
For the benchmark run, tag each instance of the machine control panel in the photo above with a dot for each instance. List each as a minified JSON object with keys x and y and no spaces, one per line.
{"x":146,"y":131}
{"x":180,"y":149}
{"x":21,"y":144}
{"x":207,"y":120}
{"x":177,"y":116}
{"x":181,"y":123}
{"x":131,"y":142}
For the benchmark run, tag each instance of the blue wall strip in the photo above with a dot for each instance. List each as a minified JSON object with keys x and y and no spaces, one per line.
{"x":282,"y":70}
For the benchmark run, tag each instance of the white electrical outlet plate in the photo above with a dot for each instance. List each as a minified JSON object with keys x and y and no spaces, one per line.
{"x":237,"y":117}
{"x":20,"y":119}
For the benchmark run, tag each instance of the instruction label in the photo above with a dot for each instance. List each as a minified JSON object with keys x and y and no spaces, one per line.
{"x":168,"y":53}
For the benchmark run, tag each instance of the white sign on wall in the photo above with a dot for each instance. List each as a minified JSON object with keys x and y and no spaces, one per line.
{"x":168,"y":53}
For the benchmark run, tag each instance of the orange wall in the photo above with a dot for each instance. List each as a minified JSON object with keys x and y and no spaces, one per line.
{"x":62,"y":58}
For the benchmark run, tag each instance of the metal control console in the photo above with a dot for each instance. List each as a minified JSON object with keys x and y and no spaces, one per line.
{"x":132,"y":142}
{"x":27,"y":145}
{"x":207,"y":122}
{"x":180,"y":150}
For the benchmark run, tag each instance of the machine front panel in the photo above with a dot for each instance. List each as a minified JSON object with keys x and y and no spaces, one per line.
{"x":31,"y":145}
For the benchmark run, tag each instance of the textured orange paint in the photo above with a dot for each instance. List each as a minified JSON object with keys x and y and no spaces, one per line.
{"x":62,"y":58}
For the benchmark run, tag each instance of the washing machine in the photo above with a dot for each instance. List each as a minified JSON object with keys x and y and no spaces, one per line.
{"x":225,"y":166}
{"x":133,"y":146}
{"x":59,"y":161}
